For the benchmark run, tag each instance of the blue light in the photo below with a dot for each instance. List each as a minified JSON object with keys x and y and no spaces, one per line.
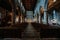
{"x":29,"y":14}
{"x":39,"y":3}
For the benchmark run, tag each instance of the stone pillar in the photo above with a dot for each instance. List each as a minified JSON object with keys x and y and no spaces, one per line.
{"x":58,"y":16}
{"x":54,"y":14}
{"x":13,"y":5}
{"x":12,"y":17}
{"x":39,"y":18}
{"x":45,"y":16}
{"x":24,"y":16}
{"x":14,"y":9}
{"x":19,"y":16}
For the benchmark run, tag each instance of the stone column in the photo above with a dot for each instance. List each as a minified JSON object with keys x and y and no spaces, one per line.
{"x":19,"y":16}
{"x":45,"y":16}
{"x":54,"y":14}
{"x":14,"y":9}
{"x":12,"y":17}
{"x":39,"y":17}
{"x":13,"y":5}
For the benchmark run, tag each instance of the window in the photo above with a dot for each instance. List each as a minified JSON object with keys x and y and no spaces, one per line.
{"x":54,"y":0}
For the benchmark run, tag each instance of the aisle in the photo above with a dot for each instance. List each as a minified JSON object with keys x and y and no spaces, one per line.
{"x":30,"y":33}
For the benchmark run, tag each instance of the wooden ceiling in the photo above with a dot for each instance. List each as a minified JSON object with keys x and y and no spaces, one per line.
{"x":29,"y":4}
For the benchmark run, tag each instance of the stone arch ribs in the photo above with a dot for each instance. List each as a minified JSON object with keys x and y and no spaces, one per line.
{"x":46,"y":4}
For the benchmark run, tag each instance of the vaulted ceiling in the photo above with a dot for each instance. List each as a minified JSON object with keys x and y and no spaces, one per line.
{"x":5,"y":4}
{"x":54,"y":5}
{"x":29,"y":4}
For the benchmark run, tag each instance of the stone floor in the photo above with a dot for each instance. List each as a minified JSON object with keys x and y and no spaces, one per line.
{"x":30,"y":33}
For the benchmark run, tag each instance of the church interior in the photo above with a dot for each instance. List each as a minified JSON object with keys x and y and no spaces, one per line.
{"x":29,"y":20}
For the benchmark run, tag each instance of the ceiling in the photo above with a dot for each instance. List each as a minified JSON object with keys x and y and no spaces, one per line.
{"x":29,"y":4}
{"x":5,"y":4}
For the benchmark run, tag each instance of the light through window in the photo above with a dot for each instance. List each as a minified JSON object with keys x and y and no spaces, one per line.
{"x":54,"y":0}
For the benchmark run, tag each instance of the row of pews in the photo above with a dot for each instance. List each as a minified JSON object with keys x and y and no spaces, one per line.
{"x":47,"y":31}
{"x":15,"y":31}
